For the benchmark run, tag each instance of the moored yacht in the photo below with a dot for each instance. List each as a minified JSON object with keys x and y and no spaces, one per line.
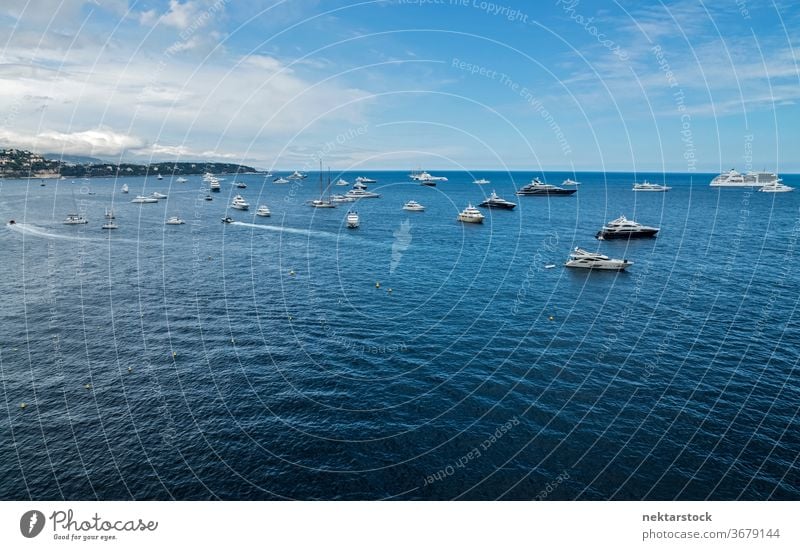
{"x":297,"y":176}
{"x":125,"y":188}
{"x":494,"y":201}
{"x":623,"y":228}
{"x":481,"y":181}
{"x":75,"y":219}
{"x":342,"y":182}
{"x":156,"y":195}
{"x":567,"y":182}
{"x":214,"y":185}
{"x":280,"y":180}
{"x":647,"y":186}
{"x":775,"y":187}
{"x":413,"y":206}
{"x":537,"y":187}
{"x":592,"y":260}
{"x":110,"y":224}
{"x":241,"y":185}
{"x":362,"y":179}
{"x":263,"y":211}
{"x":174,"y":220}
{"x":141,"y":199}
{"x":352,"y":220}
{"x":342,"y":198}
{"x":470,"y":215}
{"x":732,"y":178}
{"x":239,"y":203}
{"x":356,"y":193}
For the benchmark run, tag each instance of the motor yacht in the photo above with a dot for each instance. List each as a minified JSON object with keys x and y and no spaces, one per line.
{"x":110,"y":224}
{"x":156,"y":195}
{"x":174,"y":220}
{"x":568,"y":182}
{"x":470,"y":215}
{"x":208,"y":198}
{"x":342,"y":182}
{"x":239,"y":203}
{"x":141,"y":199}
{"x":227,"y":219}
{"x":413,"y":206}
{"x":298,"y":176}
{"x":591,"y":260}
{"x":647,"y":186}
{"x":361,"y":194}
{"x":732,"y":178}
{"x":263,"y":211}
{"x":623,"y":228}
{"x":342,"y":198}
{"x":280,"y":180}
{"x":214,"y":185}
{"x":352,"y":220}
{"x":181,"y":180}
{"x":125,"y":188}
{"x":75,"y":219}
{"x":241,"y":185}
{"x":481,"y":181}
{"x":425,"y":177}
{"x":494,"y":201}
{"x":362,"y":179}
{"x":775,"y":187}
{"x":537,"y":187}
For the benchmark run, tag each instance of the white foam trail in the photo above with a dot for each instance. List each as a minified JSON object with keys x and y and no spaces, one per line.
{"x":32,"y":230}
{"x":281,"y":229}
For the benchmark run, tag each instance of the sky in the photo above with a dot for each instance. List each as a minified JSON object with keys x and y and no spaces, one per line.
{"x":677,"y":86}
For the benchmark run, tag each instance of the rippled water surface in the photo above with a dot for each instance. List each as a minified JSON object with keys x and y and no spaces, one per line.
{"x":471,"y":372}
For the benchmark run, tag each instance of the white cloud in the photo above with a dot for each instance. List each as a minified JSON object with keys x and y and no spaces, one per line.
{"x":100,"y":142}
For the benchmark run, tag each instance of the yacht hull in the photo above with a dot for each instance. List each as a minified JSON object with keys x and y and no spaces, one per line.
{"x":620,"y":235}
{"x":547,"y":192}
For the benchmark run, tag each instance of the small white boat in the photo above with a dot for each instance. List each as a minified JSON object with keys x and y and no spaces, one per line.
{"x":174,"y":220}
{"x":263,"y":211}
{"x":239,"y":203}
{"x":775,"y":187}
{"x":181,"y":180}
{"x":141,"y":199}
{"x":568,"y":182}
{"x":156,"y":195}
{"x":241,"y":185}
{"x":482,"y":181}
{"x":647,"y":186}
{"x":591,"y":260}
{"x":413,"y":206}
{"x":342,"y":182}
{"x":362,"y":179}
{"x":109,"y":225}
{"x":75,"y":219}
{"x":280,"y":180}
{"x":298,"y":176}
{"x":124,"y":188}
{"x":470,"y":215}
{"x":352,"y":220}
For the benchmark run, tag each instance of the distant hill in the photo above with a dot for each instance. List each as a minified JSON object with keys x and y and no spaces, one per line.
{"x":72,"y":159}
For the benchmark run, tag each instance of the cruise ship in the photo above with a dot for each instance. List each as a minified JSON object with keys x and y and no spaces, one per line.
{"x":732,"y":178}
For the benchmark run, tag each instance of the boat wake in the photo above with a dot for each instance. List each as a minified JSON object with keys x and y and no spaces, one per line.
{"x":35,"y":231}
{"x":291,"y":230}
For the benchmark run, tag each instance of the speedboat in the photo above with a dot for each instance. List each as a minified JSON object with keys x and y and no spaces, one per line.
{"x":280,"y":180}
{"x":623,"y":228}
{"x":361,"y":194}
{"x":208,"y":198}
{"x":496,"y":202}
{"x":75,"y":219}
{"x":342,"y":198}
{"x":175,"y":220}
{"x":342,"y":182}
{"x":263,"y":211}
{"x":141,"y":199}
{"x":647,"y":186}
{"x":470,"y":215}
{"x":109,"y":225}
{"x":297,"y":176}
{"x":481,"y":181}
{"x":567,"y":182}
{"x":156,"y":195}
{"x":732,"y":178}
{"x":352,"y":220}
{"x":239,"y":203}
{"x":227,"y":219}
{"x":362,"y":179}
{"x":775,"y":187}
{"x":413,"y":206}
{"x":592,"y":260}
{"x":125,"y":188}
{"x":181,"y":180}
{"x":241,"y":185}
{"x":537,"y":187}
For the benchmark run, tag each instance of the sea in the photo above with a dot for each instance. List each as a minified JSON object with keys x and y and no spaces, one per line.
{"x":413,"y":358}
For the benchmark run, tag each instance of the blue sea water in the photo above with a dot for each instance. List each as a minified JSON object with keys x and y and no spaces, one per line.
{"x":472,"y":372}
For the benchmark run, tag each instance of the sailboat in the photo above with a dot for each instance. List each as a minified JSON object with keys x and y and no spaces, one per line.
{"x":321,"y":202}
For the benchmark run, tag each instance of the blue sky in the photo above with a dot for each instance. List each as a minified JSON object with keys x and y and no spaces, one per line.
{"x":443,"y":84}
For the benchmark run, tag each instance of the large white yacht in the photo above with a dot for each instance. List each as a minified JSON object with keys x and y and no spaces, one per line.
{"x":537,"y":187}
{"x":647,"y":186}
{"x":470,"y":215}
{"x":141,"y":199}
{"x":426,"y":179}
{"x":775,"y":187}
{"x":732,"y":178}
{"x":362,"y":179}
{"x":356,"y":193}
{"x":623,"y":228}
{"x":239,"y":203}
{"x":75,"y":219}
{"x":592,"y":260}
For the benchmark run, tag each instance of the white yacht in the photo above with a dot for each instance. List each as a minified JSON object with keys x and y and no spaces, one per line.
{"x":239,"y":203}
{"x":413,"y":206}
{"x":567,"y":182}
{"x":321,"y":203}
{"x":110,"y":224}
{"x":241,"y":185}
{"x":298,"y":176}
{"x":494,"y":201}
{"x":359,"y":185}
{"x":342,"y":198}
{"x":341,"y":182}
{"x":214,"y":185}
{"x":141,"y":199}
{"x":181,"y":180}
{"x":280,"y":180}
{"x":356,"y":193}
{"x":623,"y":228}
{"x":470,"y":215}
{"x":426,"y":179}
{"x":263,"y":211}
{"x":481,"y":181}
{"x":592,"y":260}
{"x":732,"y":178}
{"x":352,"y":220}
{"x":75,"y":219}
{"x":775,"y":187}
{"x":647,"y":186}
{"x":175,"y":220}
{"x":156,"y":195}
{"x":125,"y":188}
{"x":362,"y":179}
